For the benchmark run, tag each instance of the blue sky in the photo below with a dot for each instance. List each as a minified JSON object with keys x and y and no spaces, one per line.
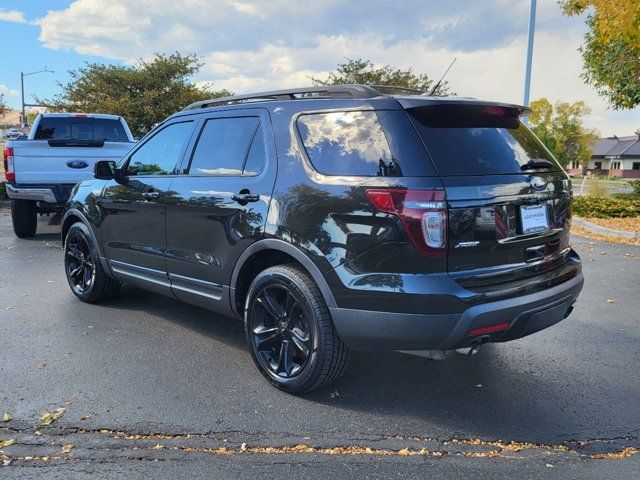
{"x":249,"y":45}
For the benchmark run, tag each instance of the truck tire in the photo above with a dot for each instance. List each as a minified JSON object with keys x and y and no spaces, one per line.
{"x":25,"y":218}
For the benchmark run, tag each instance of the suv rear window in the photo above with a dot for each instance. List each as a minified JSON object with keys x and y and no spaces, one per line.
{"x":369,"y":143}
{"x":479,"y":140}
{"x":79,"y":128}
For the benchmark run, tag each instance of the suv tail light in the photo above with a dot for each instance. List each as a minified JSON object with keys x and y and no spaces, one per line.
{"x":423,"y":214}
{"x":7,"y":160}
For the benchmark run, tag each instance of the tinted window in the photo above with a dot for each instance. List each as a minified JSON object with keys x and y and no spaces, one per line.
{"x":78,"y":128}
{"x":368,"y":143}
{"x":223,"y":146}
{"x":257,"y":155}
{"x":465,"y":140}
{"x":161,"y":153}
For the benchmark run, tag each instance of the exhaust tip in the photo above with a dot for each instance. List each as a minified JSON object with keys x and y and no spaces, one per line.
{"x":469,"y":351}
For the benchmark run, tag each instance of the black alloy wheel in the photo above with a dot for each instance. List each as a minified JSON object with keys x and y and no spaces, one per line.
{"x":290,"y":332}
{"x":86,"y":276}
{"x":79,"y":263}
{"x":281,"y":334}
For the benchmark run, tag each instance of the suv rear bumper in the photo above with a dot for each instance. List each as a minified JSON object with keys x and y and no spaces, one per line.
{"x":365,"y":329}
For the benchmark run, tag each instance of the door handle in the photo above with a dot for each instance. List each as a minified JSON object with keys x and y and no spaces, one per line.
{"x":244,"y":198}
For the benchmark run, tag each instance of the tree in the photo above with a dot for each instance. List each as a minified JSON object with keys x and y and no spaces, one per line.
{"x":365,"y":72}
{"x":611,"y":50}
{"x":3,"y":106}
{"x":144,"y":93}
{"x":561,"y":129}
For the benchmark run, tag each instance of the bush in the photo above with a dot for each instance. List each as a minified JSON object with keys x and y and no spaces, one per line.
{"x":605,"y":207}
{"x":3,"y":191}
{"x":635,"y":185}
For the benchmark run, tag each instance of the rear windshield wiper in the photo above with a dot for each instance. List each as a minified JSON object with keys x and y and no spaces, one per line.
{"x":537,"y":163}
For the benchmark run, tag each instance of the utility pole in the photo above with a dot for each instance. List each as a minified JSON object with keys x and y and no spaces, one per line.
{"x":527,"y":75}
{"x":23,"y":117}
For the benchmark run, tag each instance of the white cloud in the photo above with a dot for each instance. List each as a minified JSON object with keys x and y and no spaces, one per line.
{"x":15,"y":16}
{"x":267,"y":44}
{"x":8,"y":91}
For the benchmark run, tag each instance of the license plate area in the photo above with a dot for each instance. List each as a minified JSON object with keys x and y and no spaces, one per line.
{"x":534,"y":218}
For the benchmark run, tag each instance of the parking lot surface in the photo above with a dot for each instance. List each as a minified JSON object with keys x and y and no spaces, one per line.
{"x":154,"y":388}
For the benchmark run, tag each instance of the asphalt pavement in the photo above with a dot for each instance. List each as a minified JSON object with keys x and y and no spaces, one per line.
{"x":153,"y":388}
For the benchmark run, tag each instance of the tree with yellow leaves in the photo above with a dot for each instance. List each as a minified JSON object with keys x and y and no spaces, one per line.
{"x":561,"y":129}
{"x":611,"y":51}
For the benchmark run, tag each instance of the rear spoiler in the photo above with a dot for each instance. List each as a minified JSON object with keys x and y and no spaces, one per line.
{"x":72,"y":142}
{"x":464,"y":114}
{"x":424,"y":101}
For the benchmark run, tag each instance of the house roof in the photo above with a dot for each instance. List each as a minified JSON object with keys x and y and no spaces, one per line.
{"x":617,"y":147}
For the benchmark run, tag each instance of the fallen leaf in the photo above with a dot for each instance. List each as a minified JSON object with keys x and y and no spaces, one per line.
{"x":48,"y":418}
{"x":85,"y":417}
{"x":6,"y":463}
{"x":549,"y":465}
{"x":49,"y":281}
{"x":6,"y":417}
{"x":243,"y":447}
{"x":42,"y":365}
{"x":611,"y":300}
{"x":67,"y":448}
{"x":158,"y":447}
{"x":8,"y":308}
{"x":37,"y":433}
{"x":6,"y":443}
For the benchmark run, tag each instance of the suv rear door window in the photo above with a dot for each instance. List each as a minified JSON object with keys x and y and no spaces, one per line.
{"x":364,"y":143}
{"x":223,"y":146}
{"x":80,"y":128}
{"x":162,"y":152}
{"x":479,"y":140}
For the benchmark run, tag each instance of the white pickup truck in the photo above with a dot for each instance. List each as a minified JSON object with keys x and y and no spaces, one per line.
{"x":59,"y":152}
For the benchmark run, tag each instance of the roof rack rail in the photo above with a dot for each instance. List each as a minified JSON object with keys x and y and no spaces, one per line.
{"x":328,"y":91}
{"x":397,"y":90}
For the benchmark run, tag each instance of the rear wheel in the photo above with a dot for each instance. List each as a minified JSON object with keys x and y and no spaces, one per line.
{"x":86,"y":277}
{"x":24,"y":216}
{"x":290,"y":332}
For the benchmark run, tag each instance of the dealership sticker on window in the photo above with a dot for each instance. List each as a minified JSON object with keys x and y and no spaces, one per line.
{"x":534,"y":218}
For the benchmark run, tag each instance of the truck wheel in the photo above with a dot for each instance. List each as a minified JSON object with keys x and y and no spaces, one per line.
{"x":86,"y":277}
{"x":24,"y":217}
{"x":290,"y":332}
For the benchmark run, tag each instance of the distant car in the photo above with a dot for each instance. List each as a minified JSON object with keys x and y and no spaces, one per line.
{"x":337,"y":217}
{"x":13,"y":133}
{"x":59,"y":152}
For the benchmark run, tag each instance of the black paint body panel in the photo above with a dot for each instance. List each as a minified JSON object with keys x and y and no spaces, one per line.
{"x":195,"y":238}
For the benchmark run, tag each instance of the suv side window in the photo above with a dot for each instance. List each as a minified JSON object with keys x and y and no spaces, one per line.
{"x":161,"y":153}
{"x":368,"y":143}
{"x":223,"y":147}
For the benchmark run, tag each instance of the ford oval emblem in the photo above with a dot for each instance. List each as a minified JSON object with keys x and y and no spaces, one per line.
{"x":77,"y":164}
{"x":538,"y":183}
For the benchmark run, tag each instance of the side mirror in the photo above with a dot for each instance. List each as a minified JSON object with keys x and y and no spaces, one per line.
{"x":104,"y":170}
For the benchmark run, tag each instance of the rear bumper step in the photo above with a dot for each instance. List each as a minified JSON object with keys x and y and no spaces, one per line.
{"x":525,"y":315}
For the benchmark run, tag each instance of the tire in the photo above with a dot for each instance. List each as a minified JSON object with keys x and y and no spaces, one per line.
{"x":285,"y":307}
{"x":24,"y":217}
{"x":87,"y":279}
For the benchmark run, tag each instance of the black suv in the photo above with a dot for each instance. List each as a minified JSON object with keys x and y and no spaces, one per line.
{"x":333,"y":218}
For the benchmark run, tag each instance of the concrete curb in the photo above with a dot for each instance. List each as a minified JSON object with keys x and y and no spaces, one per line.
{"x":609,"y":232}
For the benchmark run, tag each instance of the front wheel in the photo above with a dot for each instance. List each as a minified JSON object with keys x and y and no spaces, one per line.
{"x":290,"y":332}
{"x":86,"y":277}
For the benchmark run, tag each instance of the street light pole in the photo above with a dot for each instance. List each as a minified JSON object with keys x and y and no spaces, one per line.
{"x":23,"y":119}
{"x":527,"y":75}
